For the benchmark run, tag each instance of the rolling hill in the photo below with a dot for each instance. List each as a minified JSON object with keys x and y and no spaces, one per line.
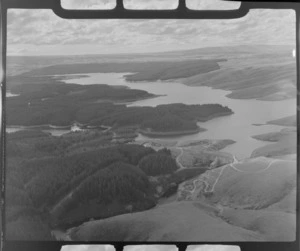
{"x":284,"y":143}
{"x":252,"y":200}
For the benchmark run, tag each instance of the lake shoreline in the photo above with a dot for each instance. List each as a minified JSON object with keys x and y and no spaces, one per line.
{"x":155,"y":134}
{"x":129,"y":101}
{"x":216,"y":115}
{"x":237,"y":126}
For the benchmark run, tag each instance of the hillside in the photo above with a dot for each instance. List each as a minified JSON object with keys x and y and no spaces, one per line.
{"x":46,"y":177}
{"x":247,"y":200}
{"x":285,"y":143}
{"x":116,"y":189}
{"x":252,"y":81}
{"x":59,"y":104}
{"x":122,"y":177}
{"x":257,"y":187}
{"x":249,"y":72}
{"x":19,"y":64}
{"x":144,"y":71}
{"x":286,"y":121}
{"x":180,"y":221}
{"x":191,"y":221}
{"x":55,"y":182}
{"x":272,"y":225}
{"x":250,"y":184}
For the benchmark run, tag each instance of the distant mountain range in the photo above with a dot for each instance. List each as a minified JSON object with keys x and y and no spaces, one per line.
{"x":20,"y":64}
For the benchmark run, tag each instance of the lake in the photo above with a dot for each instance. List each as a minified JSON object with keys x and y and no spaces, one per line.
{"x":238,"y":126}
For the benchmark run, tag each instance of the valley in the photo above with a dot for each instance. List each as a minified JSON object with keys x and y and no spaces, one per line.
{"x":193,"y":145}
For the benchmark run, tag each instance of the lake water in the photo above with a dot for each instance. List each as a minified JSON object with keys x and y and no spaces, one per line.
{"x":238,"y":127}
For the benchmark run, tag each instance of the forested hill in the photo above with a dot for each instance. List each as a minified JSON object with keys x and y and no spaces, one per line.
{"x":22,"y":64}
{"x":94,"y":105}
{"x":142,"y":71}
{"x":45,"y":189}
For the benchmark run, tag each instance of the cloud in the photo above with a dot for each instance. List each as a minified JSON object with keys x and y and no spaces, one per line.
{"x":110,"y":4}
{"x":153,"y":4}
{"x":88,"y":4}
{"x":212,"y":5}
{"x":213,"y":248}
{"x":88,"y":248}
{"x":34,"y":32}
{"x":150,"y":248}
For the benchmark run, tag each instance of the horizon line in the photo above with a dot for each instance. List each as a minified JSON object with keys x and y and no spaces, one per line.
{"x":143,"y":53}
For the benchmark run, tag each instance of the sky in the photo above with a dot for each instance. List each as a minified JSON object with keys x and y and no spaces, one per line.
{"x":212,"y":248}
{"x":41,"y":32}
{"x":88,"y":248}
{"x":150,"y":248}
{"x":150,"y":4}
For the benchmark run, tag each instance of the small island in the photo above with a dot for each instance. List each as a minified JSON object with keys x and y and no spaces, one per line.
{"x":286,"y":121}
{"x":283,"y":142}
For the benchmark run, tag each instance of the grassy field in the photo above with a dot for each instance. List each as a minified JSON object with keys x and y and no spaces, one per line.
{"x":284,"y":143}
{"x":287,"y":121}
{"x":253,"y":204}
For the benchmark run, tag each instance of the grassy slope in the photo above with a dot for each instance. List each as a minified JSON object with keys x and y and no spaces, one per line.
{"x":180,"y":221}
{"x":285,"y":143}
{"x":264,"y":202}
{"x":287,"y":204}
{"x":254,"y":189}
{"x":286,"y":121}
{"x":258,"y":71}
{"x":256,"y":198}
{"x":201,"y":152}
{"x":268,"y":82}
{"x":151,"y":71}
{"x":272,"y":225}
{"x":272,"y":190}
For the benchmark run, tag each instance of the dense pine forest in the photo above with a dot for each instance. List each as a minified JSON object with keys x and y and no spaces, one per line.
{"x":59,"y":181}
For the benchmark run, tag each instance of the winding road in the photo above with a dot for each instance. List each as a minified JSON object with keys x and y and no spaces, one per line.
{"x":178,"y":159}
{"x":259,"y":171}
{"x":204,"y":178}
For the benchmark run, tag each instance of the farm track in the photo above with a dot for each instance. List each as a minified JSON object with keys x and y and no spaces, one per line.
{"x":210,"y":188}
